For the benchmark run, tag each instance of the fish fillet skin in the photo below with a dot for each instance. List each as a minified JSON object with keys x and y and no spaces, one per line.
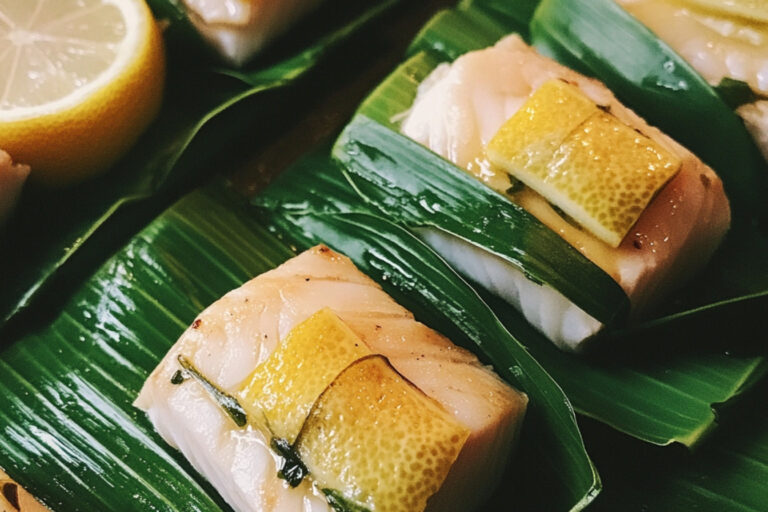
{"x":461,"y":106}
{"x":238,"y":29}
{"x":240,"y":330}
{"x":12,"y":178}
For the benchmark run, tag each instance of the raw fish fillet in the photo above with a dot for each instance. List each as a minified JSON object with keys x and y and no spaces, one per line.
{"x":240,"y":28}
{"x":240,"y":330}
{"x":459,"y":108}
{"x":12,"y":178}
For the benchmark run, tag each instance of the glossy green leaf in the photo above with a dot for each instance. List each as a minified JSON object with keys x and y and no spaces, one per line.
{"x":603,"y":40}
{"x":70,"y":434}
{"x":56,"y":233}
{"x":726,"y":474}
{"x":514,"y":13}
{"x":418,"y":188}
{"x":451,"y":33}
{"x":650,"y":390}
{"x":302,"y":206}
{"x":662,"y":394}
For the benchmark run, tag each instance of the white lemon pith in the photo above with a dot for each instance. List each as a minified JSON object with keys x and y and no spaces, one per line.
{"x":84,"y":79}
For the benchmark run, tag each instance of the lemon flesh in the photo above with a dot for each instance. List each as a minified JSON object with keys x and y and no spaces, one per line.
{"x":284,"y":387}
{"x":597,"y":170}
{"x":379,"y":440}
{"x":82,"y":80}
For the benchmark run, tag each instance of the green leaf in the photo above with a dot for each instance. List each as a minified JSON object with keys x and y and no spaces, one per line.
{"x":641,"y":386}
{"x":424,"y":283}
{"x":600,"y":38}
{"x":451,"y":33}
{"x":727,"y":474}
{"x":69,"y":432}
{"x":382,"y":165}
{"x":515,"y":14}
{"x":659,"y":394}
{"x":56,"y":233}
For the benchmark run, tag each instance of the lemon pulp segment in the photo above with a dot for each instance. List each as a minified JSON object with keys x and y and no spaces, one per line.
{"x":82,"y":80}
{"x":379,"y":439}
{"x":285,"y":386}
{"x":596,"y":169}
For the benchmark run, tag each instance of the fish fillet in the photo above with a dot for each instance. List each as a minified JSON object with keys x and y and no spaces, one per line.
{"x":461,"y":106}
{"x":240,"y":28}
{"x":240,"y":330}
{"x":718,"y":47}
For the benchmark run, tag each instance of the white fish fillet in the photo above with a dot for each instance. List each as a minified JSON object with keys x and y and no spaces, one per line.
{"x":239,"y":331}
{"x":459,"y":108}
{"x":717,"y":47}
{"x":240,"y":28}
{"x":12,"y":178}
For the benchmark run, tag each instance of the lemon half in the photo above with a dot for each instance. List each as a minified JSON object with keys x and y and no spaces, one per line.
{"x":82,"y":80}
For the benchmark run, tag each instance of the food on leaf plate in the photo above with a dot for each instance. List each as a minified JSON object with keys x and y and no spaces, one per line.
{"x":309,"y":388}
{"x":238,"y":29}
{"x":82,"y":80}
{"x":632,"y":200}
{"x":12,"y":178}
{"x":721,"y":40}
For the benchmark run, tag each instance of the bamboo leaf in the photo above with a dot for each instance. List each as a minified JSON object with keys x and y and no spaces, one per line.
{"x":381,"y":164}
{"x":424,"y":283}
{"x":451,"y":33}
{"x":658,"y":394}
{"x":727,"y":474}
{"x":68,"y":389}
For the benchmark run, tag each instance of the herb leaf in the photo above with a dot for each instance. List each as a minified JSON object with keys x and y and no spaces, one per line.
{"x":341,"y":504}
{"x":293,"y":470}
{"x":227,"y":402}
{"x":735,"y":93}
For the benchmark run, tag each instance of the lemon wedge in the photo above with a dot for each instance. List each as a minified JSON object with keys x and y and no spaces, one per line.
{"x":599,"y":171}
{"x":379,"y":441}
{"x":82,"y":80}
{"x":284,"y":387}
